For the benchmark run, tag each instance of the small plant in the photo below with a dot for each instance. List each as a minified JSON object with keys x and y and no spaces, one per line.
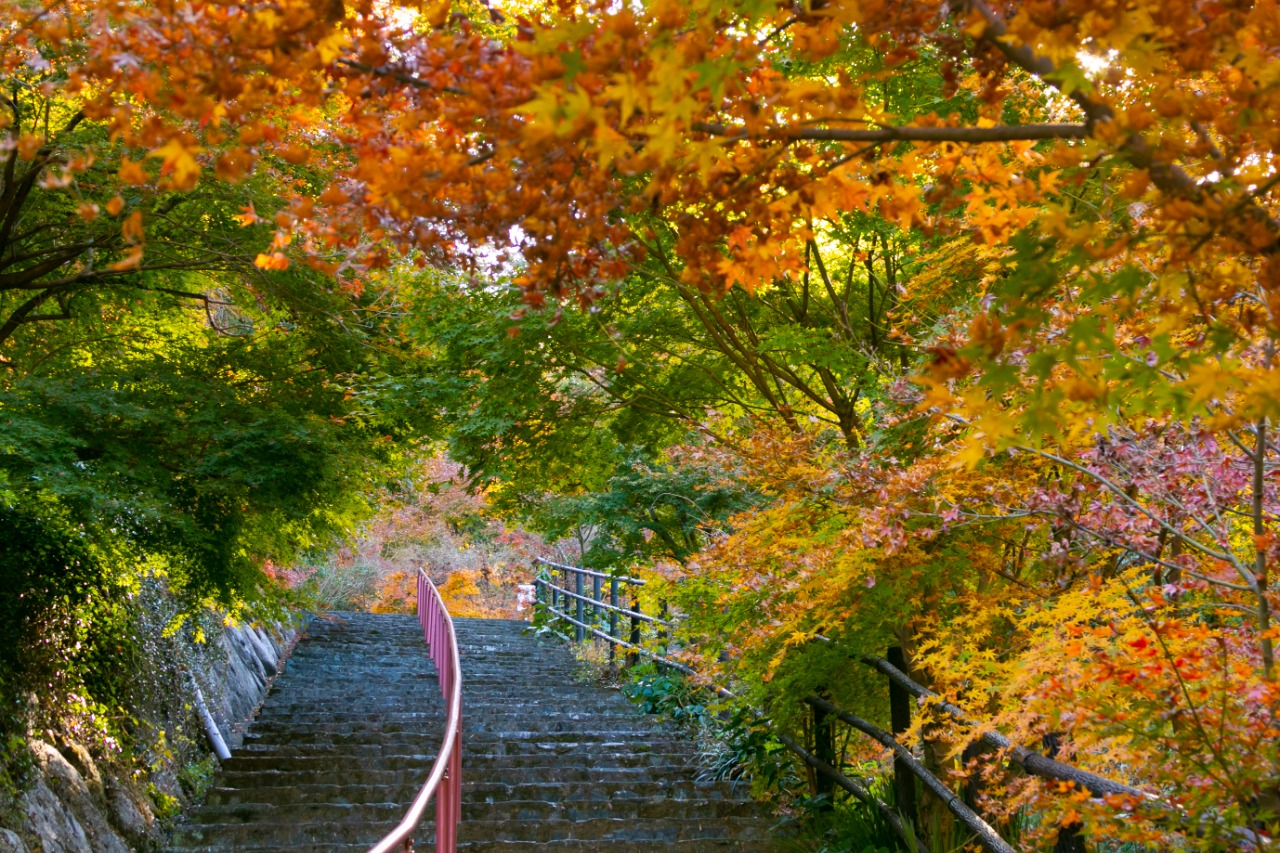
{"x":668,"y":694}
{"x":841,"y":824}
{"x":744,"y":747}
{"x":195,"y":777}
{"x":166,"y":807}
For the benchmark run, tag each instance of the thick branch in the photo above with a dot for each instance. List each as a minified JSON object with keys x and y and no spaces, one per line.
{"x":1168,"y":177}
{"x":399,"y":76}
{"x":999,"y":133}
{"x":24,"y":312}
{"x":28,"y":279}
{"x":16,"y":196}
{"x":60,"y":287}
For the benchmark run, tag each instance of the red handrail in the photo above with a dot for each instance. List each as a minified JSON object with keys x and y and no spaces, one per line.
{"x":437,"y":626}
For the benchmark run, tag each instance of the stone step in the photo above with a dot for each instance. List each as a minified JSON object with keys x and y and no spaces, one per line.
{"x":590,"y":846}
{"x":657,"y":833}
{"x":270,"y":716}
{"x":349,"y":732}
{"x":385,"y":812}
{"x":637,"y":810}
{"x":487,"y":742}
{"x":240,"y":761}
{"x":278,"y":836}
{"x":410,"y":748}
{"x":515,"y":775}
{"x":501,"y":791}
{"x":328,"y":792}
{"x":482,"y":791}
{"x":390,"y":811}
{"x":373,"y":710}
{"x":487,"y":763}
{"x":645,"y":740}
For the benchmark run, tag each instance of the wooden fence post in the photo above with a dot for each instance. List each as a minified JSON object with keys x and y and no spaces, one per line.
{"x":1069,"y":839}
{"x":633,"y":657}
{"x":595,"y":599}
{"x":824,"y":747}
{"x":577,"y":587}
{"x":613,"y":617}
{"x":663,"y":635}
{"x":904,"y":782}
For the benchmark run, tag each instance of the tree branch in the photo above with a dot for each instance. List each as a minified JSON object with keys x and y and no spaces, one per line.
{"x":1167,"y":176}
{"x":999,"y":133}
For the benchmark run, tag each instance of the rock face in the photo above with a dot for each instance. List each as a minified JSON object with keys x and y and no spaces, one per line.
{"x":251,"y":658}
{"x":67,"y":810}
{"x":349,"y":733}
{"x":75,"y":805}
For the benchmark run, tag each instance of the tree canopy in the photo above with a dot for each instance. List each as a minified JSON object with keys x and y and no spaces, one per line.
{"x":943,"y":325}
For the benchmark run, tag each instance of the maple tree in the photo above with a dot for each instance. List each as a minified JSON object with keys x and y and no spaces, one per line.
{"x":1104,"y":164}
{"x":1052,"y":418}
{"x":425,"y":520}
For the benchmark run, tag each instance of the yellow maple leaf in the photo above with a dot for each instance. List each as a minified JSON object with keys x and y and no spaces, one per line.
{"x":331,"y":46}
{"x":273,"y":261}
{"x":131,"y":228}
{"x":131,"y":172}
{"x":178,"y":163}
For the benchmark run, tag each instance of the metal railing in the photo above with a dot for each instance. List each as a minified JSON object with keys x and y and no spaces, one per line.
{"x":445,"y":780}
{"x":588,"y":612}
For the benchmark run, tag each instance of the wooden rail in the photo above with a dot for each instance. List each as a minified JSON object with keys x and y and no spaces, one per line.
{"x":555,"y":598}
{"x":590,"y":572}
{"x":444,"y":782}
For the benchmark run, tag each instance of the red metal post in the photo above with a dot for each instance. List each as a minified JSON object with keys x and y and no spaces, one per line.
{"x":445,"y":779}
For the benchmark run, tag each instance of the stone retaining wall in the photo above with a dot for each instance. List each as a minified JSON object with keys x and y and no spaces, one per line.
{"x":76,"y":806}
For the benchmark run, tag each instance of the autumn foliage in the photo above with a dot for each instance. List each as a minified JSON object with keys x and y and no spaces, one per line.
{"x":428,"y":520}
{"x":950,"y":326}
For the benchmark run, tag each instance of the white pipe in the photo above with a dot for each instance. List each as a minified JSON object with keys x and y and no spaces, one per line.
{"x":210,"y":727}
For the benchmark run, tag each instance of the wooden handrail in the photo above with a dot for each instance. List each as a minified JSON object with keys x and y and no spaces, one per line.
{"x":600,"y":605}
{"x":591,"y":573}
{"x":445,"y":780}
{"x":560,"y":614}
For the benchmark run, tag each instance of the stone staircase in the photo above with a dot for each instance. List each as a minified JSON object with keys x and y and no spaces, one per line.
{"x":349,"y":731}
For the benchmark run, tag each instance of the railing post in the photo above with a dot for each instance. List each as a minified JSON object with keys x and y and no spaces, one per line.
{"x":613,"y":618}
{"x":444,"y":811}
{"x":633,"y":657}
{"x":577,"y":587}
{"x":663,"y":634}
{"x":904,"y":783}
{"x":824,"y":747}
{"x":595,"y":599}
{"x":1069,"y":839}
